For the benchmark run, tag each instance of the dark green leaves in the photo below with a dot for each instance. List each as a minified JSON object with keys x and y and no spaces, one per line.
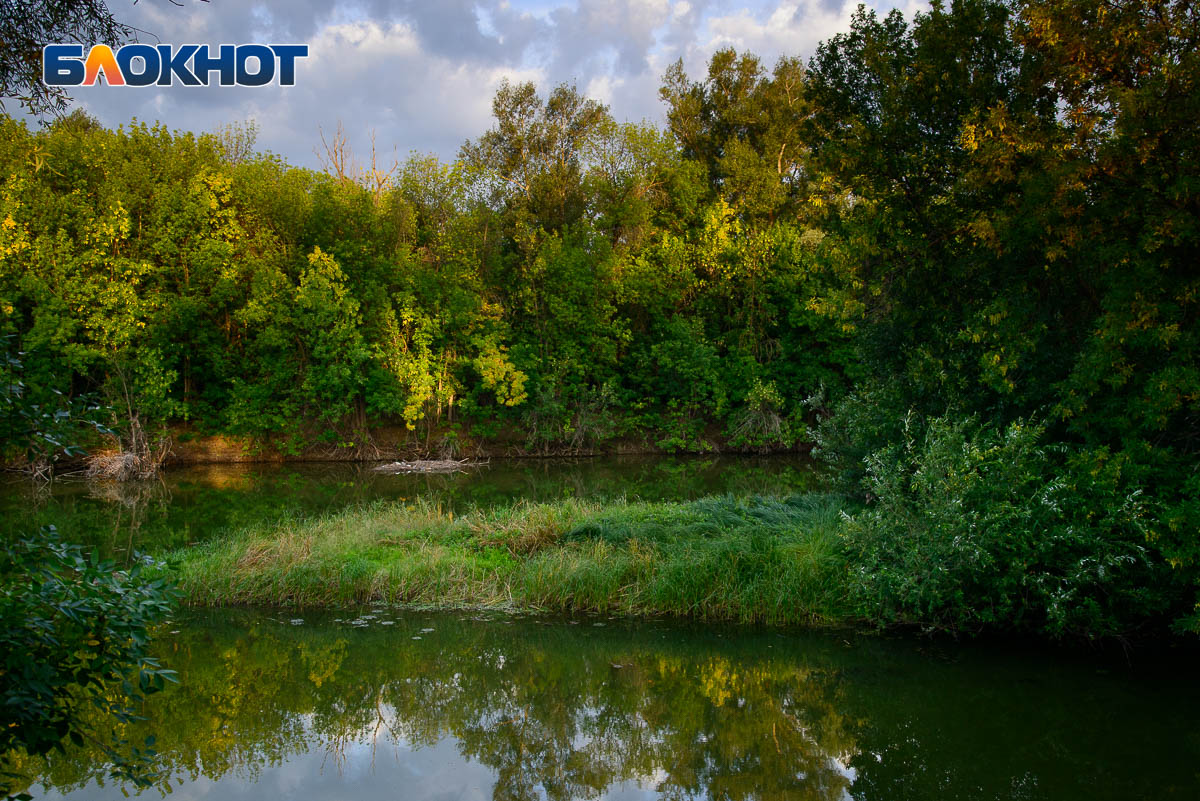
{"x":74,"y":631}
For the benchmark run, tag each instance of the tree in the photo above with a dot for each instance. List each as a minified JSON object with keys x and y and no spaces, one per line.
{"x":534,"y":154}
{"x":745,"y":126}
{"x":1023,"y":239}
{"x":26,"y":27}
{"x":891,"y":101}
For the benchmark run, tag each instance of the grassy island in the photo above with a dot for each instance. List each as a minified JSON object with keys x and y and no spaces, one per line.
{"x":757,"y":559}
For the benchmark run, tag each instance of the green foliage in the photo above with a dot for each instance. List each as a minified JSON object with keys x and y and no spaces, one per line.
{"x":567,"y":276}
{"x":987,"y":212}
{"x":744,"y":127}
{"x":683,"y":431}
{"x":1017,"y":237}
{"x":759,"y":425}
{"x":969,"y":526}
{"x":37,"y":432}
{"x":859,"y":424}
{"x":74,"y":638}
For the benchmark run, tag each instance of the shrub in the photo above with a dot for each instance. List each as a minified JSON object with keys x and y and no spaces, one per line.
{"x":970,"y":527}
{"x":759,"y":425}
{"x":860,"y":424}
{"x":73,"y":630}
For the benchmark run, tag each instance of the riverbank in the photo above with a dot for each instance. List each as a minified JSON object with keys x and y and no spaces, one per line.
{"x":756,"y":559}
{"x":382,"y":442}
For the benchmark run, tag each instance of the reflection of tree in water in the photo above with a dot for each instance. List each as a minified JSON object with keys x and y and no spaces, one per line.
{"x":570,"y":723}
{"x":570,"y":711}
{"x":130,"y":501}
{"x":555,"y":711}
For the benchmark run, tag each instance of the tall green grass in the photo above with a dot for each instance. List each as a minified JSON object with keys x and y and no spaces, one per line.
{"x":752,"y":560}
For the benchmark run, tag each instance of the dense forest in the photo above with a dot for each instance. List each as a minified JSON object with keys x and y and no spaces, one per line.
{"x":568,"y":277}
{"x":957,"y":255}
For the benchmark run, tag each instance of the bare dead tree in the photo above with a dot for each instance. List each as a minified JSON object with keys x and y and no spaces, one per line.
{"x":337,"y":159}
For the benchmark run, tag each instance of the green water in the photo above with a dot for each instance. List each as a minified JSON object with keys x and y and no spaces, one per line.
{"x":381,"y":704}
{"x":189,"y":505}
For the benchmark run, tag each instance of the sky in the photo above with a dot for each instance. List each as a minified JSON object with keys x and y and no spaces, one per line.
{"x":421,"y":74}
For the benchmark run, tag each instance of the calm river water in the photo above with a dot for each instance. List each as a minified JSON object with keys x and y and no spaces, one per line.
{"x":192,"y":504}
{"x":380,"y":703}
{"x":375,"y":703}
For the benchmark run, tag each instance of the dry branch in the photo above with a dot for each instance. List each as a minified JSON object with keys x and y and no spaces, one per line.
{"x":428,"y":466}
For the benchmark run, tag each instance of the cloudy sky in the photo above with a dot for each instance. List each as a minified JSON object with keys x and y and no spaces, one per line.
{"x":421,"y":73}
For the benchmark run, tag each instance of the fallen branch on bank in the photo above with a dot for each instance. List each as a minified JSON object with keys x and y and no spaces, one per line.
{"x":428,"y":466}
{"x":142,"y":460}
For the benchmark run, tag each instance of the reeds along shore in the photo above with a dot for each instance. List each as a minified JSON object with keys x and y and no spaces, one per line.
{"x":750,"y":560}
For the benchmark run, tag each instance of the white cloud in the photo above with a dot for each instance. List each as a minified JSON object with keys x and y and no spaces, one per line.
{"x":791,"y":28}
{"x":379,"y":77}
{"x":422,"y":74}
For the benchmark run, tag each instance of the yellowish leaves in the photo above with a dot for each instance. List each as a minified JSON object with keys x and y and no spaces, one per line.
{"x":404,"y":349}
{"x":214,"y":193}
{"x":984,"y":232}
{"x":500,"y":376}
{"x":717,"y":681}
{"x":107,"y":232}
{"x":969,"y":138}
{"x":1167,"y":334}
{"x":721,"y":229}
{"x":324,"y":275}
{"x":997,"y":364}
{"x":12,"y":241}
{"x":1143,"y":314}
{"x":822,"y":193}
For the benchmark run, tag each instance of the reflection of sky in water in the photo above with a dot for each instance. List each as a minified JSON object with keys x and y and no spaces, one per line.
{"x":499,"y":707}
{"x":388,"y":770}
{"x":435,"y":772}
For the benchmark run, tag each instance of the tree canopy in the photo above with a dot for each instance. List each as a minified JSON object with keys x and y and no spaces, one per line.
{"x":984,"y":214}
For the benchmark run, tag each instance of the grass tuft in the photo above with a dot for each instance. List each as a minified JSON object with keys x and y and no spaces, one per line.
{"x":755,"y":559}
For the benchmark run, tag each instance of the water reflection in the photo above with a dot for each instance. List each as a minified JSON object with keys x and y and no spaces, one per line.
{"x":450,"y":706}
{"x":192,"y":504}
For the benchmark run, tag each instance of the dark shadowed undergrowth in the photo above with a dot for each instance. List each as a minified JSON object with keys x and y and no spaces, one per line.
{"x":753,"y":560}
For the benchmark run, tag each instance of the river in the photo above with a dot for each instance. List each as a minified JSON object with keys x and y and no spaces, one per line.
{"x":379,"y":702}
{"x":188,"y":505}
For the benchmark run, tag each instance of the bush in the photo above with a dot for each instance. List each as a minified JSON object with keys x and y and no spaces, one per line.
{"x":72,"y":630}
{"x":970,"y":527}
{"x":861,"y":423}
{"x":37,"y":429}
{"x":759,"y":425}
